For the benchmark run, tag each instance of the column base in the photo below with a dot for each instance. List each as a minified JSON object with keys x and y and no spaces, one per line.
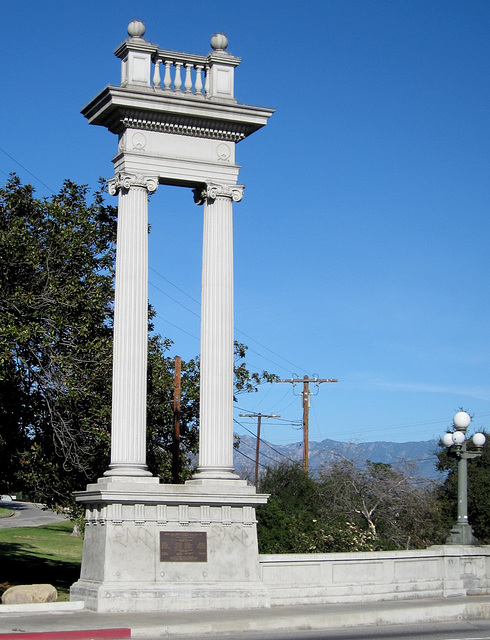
{"x":215,"y":473}
{"x":462,"y":533}
{"x":128,"y":470}
{"x":153,"y":547}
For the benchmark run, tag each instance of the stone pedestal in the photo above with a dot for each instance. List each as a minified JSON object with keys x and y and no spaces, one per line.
{"x":153,"y":547}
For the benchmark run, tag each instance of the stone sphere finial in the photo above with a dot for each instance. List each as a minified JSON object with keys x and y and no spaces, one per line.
{"x":136,"y":29}
{"x":219,"y":42}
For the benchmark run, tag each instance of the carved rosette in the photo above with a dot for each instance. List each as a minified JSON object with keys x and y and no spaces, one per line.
{"x":126,"y":181}
{"x":212,"y":191}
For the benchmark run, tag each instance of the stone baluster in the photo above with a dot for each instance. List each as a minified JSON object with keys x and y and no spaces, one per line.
{"x":167,"y":80}
{"x":207,"y":83}
{"x":128,"y":436}
{"x":216,"y":368}
{"x":156,"y":75}
{"x":199,"y":68}
{"x":188,"y":77}
{"x":178,"y":78}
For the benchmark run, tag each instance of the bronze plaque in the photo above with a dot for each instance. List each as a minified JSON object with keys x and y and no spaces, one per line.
{"x":183,"y":546}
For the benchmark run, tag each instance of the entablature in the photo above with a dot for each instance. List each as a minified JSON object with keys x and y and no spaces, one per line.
{"x":119,"y":108}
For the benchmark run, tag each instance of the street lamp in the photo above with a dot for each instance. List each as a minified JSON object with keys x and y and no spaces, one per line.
{"x":462,"y":533}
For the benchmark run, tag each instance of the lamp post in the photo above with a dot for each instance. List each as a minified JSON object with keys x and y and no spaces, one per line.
{"x":462,"y":533}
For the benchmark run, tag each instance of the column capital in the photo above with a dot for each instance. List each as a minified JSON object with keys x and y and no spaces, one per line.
{"x":128,"y":180}
{"x":213,"y":190}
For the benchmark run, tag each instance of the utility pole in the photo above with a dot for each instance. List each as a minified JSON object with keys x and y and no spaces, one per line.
{"x":259,"y":417}
{"x":306,"y":405}
{"x":176,"y":433}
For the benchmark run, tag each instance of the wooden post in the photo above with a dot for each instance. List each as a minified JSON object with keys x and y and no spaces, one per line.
{"x":306,"y":406}
{"x":176,"y":434}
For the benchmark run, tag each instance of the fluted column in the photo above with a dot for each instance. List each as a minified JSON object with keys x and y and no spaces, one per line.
{"x":216,"y":369}
{"x":129,"y":378}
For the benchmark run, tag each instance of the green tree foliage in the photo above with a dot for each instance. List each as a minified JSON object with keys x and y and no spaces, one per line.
{"x":478,"y":489}
{"x":397,"y":511}
{"x":346,"y":509}
{"x":297,"y":519}
{"x":56,"y":302}
{"x":55,"y":351}
{"x":247,"y":381}
{"x":160,"y":411}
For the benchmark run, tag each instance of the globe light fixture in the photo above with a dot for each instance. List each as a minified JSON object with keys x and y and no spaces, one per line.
{"x":458,"y":437}
{"x":461,"y":420}
{"x":448,"y":439}
{"x":478,"y":439}
{"x":462,"y":533}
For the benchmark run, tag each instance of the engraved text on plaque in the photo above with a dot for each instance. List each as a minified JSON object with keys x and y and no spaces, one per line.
{"x":183,"y":546}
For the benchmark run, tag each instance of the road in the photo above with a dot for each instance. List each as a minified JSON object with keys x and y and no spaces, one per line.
{"x":27,"y":514}
{"x":473,"y":630}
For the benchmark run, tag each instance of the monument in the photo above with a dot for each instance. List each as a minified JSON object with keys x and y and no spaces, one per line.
{"x":150,"y":546}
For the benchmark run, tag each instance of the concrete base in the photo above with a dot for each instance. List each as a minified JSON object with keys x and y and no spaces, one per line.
{"x":462,"y":533}
{"x":153,"y":547}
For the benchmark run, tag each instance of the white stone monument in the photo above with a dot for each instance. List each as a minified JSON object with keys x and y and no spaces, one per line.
{"x":150,"y":546}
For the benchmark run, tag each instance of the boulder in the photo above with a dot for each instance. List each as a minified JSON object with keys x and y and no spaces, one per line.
{"x":27,"y":593}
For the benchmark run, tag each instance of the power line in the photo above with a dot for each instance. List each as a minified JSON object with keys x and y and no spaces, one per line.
{"x":174,"y":300}
{"x":176,"y":326}
{"x":259,"y":417}
{"x":248,"y":457}
{"x":273,"y":352}
{"x":282,"y":421}
{"x":236,"y":328}
{"x":306,"y":395}
{"x":174,"y":285}
{"x":25,"y":169}
{"x":264,"y":441}
{"x":263,"y":454}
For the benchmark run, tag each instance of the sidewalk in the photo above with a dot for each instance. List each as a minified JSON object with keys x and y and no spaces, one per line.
{"x":64,"y":625}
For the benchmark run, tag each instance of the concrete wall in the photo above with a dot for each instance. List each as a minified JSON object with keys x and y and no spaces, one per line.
{"x":440,"y":571}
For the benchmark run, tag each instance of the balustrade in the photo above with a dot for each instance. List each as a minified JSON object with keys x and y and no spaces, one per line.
{"x":182,"y":73}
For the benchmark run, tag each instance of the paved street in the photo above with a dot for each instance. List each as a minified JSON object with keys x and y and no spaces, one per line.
{"x":463,"y":630}
{"x":27,"y":514}
{"x":465,"y":618}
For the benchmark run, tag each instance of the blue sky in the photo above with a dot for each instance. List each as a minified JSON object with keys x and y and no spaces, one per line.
{"x":362,"y":241}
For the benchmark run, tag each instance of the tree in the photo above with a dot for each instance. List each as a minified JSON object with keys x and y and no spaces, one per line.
{"x":160,"y":405}
{"x":160,"y":416}
{"x":56,"y":303}
{"x":397,"y":511}
{"x":245,"y":380}
{"x":346,"y":508}
{"x":297,"y":519}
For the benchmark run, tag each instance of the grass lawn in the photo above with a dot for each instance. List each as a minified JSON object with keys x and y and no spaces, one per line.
{"x":5,"y":513}
{"x":33,"y":555}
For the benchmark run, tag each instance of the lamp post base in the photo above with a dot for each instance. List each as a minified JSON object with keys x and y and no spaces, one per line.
{"x":462,"y":533}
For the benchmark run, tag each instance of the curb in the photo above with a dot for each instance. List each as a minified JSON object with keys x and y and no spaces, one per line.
{"x":325,"y":617}
{"x":108,"y":634}
{"x":42,"y":607}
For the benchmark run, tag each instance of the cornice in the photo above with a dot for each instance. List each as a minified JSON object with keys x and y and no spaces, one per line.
{"x":154,"y":110}
{"x":181,"y":125}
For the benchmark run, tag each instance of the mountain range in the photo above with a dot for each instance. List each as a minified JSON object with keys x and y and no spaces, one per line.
{"x":416,"y":459}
